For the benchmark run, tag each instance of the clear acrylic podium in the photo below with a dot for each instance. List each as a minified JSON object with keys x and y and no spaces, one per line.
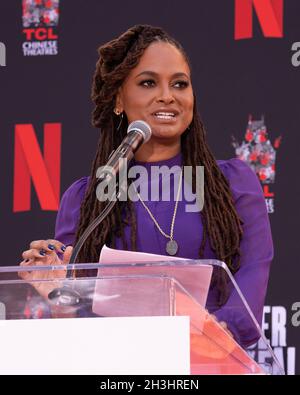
{"x":177,"y":288}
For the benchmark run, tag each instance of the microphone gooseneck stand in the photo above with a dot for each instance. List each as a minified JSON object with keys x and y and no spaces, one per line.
{"x":66,"y":295}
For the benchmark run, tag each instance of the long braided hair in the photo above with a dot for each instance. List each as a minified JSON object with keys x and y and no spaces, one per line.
{"x":221,"y":224}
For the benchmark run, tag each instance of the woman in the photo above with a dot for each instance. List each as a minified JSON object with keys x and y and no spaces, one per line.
{"x":145,"y":75}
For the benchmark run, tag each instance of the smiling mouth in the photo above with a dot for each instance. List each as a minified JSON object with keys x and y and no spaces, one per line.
{"x":165,"y":115}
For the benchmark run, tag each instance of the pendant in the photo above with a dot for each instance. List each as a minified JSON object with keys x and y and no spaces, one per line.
{"x":171,"y":247}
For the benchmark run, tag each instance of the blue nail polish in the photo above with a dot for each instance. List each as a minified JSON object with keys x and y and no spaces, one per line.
{"x":63,"y":248}
{"x":43,"y":252}
{"x":51,"y":247}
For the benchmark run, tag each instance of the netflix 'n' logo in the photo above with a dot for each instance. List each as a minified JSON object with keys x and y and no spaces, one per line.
{"x":42,"y":169}
{"x":269,"y":14}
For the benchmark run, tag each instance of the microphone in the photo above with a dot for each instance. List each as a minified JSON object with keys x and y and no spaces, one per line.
{"x":138,"y":133}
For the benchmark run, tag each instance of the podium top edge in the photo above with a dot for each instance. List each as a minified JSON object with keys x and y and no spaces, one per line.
{"x":89,"y":266}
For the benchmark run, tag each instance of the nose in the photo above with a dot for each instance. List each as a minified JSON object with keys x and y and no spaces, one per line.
{"x":165,"y":95}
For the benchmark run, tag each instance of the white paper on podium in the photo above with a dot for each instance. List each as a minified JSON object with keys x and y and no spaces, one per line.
{"x":119,"y":297}
{"x":136,"y":345}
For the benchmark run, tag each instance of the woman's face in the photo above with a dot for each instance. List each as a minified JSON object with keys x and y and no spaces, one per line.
{"x":159,"y":91}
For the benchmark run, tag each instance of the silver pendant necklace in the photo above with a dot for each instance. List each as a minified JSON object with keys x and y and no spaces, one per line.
{"x":171,"y":246}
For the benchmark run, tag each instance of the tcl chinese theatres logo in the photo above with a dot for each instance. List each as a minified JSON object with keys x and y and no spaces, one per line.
{"x":40,"y":20}
{"x":260,"y":154}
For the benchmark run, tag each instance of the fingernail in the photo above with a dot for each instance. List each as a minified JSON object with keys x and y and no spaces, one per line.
{"x":43,"y":252}
{"x":63,"y":248}
{"x":51,"y":247}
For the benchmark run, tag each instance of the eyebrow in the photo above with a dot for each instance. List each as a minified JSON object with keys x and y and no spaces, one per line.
{"x":154,"y":74}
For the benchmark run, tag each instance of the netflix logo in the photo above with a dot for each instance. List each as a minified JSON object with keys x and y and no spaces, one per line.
{"x":40,"y":168}
{"x":269,"y":14}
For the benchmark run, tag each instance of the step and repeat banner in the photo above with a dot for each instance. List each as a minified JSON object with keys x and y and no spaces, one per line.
{"x":245,"y":57}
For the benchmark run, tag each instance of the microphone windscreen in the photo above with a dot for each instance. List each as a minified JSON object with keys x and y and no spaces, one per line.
{"x":142,"y":127}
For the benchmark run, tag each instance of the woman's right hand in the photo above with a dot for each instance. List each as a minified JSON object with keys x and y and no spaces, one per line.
{"x":44,"y":253}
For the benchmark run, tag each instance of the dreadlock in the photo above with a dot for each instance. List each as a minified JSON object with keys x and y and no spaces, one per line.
{"x":221,"y":224}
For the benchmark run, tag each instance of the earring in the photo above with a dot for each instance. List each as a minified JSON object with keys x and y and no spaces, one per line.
{"x":121,"y":119}
{"x":117,"y":111}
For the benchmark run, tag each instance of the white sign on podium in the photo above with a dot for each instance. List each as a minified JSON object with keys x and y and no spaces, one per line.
{"x":99,"y":346}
